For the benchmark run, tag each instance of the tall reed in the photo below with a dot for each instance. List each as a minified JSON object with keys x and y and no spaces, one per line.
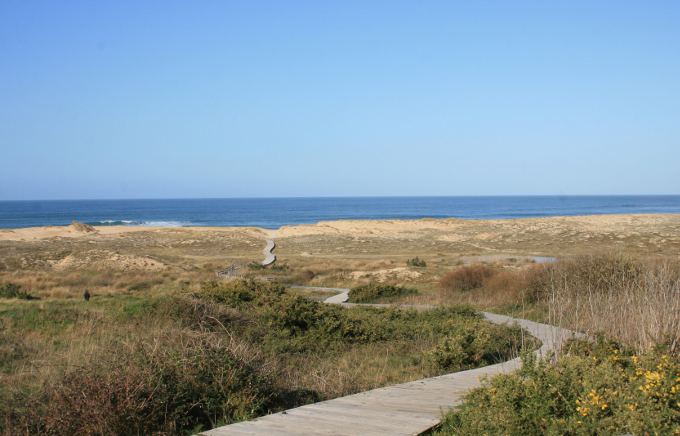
{"x":636,"y":301}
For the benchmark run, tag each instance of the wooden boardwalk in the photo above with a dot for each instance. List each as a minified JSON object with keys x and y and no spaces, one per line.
{"x":269,"y":257}
{"x":405,"y":409}
{"x":335,"y":299}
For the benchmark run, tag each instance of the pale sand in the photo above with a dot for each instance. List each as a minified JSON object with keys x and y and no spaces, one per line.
{"x":70,"y":232}
{"x":623,"y":224}
{"x":595,"y":223}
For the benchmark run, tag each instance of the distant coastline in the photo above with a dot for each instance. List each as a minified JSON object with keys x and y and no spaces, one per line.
{"x":273,"y":213}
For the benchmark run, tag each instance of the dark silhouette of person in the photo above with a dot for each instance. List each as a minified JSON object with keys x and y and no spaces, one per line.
{"x":87,"y":295}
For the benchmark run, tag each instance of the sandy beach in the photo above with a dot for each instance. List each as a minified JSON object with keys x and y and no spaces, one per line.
{"x":156,"y":248}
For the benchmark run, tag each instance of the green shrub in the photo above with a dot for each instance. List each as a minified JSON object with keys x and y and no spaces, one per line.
{"x":600,"y":388}
{"x":416,"y":262}
{"x":242,"y":293}
{"x":256,"y":266}
{"x":478,"y":344}
{"x":291,"y":323}
{"x":283,"y":267}
{"x":295,"y":324}
{"x":11,"y":290}
{"x":377,"y":293}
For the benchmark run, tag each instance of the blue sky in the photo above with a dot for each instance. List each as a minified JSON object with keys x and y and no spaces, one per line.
{"x":338,"y":98}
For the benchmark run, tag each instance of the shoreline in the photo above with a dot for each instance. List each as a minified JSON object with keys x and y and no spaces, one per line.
{"x":378,"y":227}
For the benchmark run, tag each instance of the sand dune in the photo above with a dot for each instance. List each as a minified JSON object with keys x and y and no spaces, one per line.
{"x":657,"y":233}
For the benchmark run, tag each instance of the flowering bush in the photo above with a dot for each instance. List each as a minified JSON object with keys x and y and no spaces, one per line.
{"x":598,"y":388}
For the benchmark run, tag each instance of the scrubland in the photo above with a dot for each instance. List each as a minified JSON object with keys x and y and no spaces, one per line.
{"x":624,"y":378}
{"x":164,"y":347}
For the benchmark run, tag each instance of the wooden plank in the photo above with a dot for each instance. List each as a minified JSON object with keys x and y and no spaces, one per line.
{"x":229,"y":430}
{"x":349,"y":412}
{"x":365,"y":418}
{"x":284,"y":427}
{"x":337,"y":426}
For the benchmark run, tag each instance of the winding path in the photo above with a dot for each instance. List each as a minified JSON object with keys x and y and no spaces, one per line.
{"x":404,"y":409}
{"x":269,"y":257}
{"x":342,"y":297}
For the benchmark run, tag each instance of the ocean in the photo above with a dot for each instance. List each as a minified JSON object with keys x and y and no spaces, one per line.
{"x":272,"y":213}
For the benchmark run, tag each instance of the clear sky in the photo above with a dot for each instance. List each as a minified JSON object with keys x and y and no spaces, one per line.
{"x":184,"y":99}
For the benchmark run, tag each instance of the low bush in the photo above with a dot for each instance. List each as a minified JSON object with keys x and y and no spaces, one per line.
{"x":377,"y":293}
{"x":256,"y":266}
{"x":292,"y":323}
{"x":598,"y":388}
{"x":283,"y":267}
{"x":177,"y":384}
{"x":506,"y":286}
{"x":476,"y":345}
{"x":298,"y":324}
{"x":201,"y":314}
{"x":465,"y":278}
{"x":416,"y":262}
{"x":242,"y":293}
{"x":11,"y":290}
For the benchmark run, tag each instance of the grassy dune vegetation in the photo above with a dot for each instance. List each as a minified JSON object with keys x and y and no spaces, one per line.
{"x":623,"y":379}
{"x":172,"y":360}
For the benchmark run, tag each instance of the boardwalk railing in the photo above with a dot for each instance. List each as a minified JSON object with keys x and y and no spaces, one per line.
{"x":230,"y":272}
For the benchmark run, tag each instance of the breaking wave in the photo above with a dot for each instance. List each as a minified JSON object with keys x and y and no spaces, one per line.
{"x":141,"y":223}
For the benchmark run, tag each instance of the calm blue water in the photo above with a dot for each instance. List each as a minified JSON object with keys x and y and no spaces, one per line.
{"x":273,"y":213}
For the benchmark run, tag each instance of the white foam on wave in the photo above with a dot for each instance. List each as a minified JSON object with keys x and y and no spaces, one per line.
{"x":142,"y":223}
{"x":165,"y":223}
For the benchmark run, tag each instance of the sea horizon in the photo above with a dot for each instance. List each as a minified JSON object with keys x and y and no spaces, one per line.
{"x":274,"y":212}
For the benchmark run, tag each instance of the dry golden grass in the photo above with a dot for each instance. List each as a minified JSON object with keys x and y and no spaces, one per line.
{"x":61,"y":285}
{"x":360,"y":369}
{"x":631,"y":298}
{"x":634,"y":300}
